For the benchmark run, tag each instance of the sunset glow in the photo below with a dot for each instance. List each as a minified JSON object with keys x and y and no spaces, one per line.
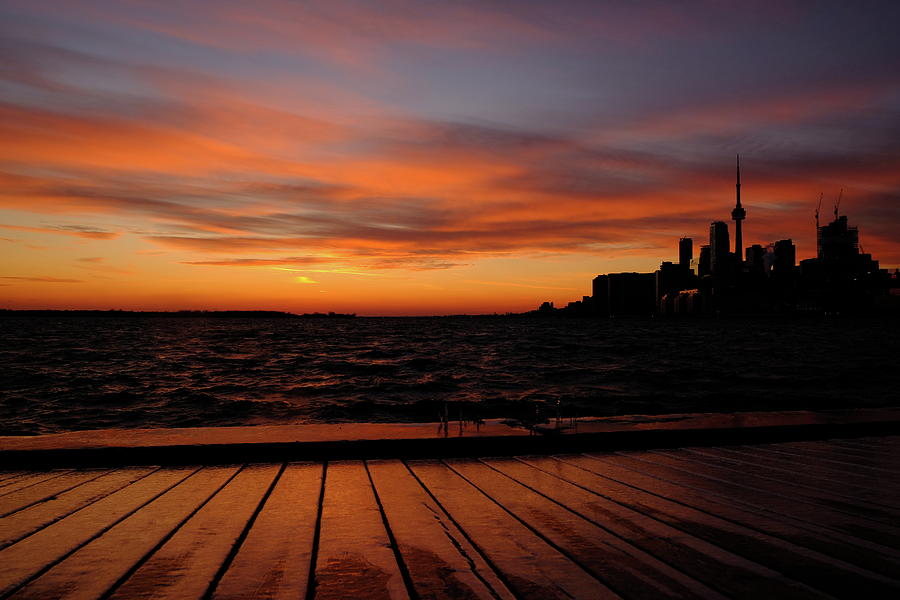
{"x":405,"y":158}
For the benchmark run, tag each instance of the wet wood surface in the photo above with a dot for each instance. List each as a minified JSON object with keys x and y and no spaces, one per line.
{"x":786,"y":520}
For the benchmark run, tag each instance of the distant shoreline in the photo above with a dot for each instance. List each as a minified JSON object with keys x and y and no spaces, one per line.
{"x":557,"y":315}
{"x":267,"y":314}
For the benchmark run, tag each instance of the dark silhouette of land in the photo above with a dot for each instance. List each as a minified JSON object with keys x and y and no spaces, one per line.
{"x":218,"y":314}
{"x":840,"y":279}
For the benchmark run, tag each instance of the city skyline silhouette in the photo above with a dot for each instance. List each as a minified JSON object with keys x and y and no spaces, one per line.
{"x":840,"y":279}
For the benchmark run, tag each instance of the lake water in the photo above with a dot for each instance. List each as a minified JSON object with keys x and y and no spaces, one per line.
{"x":71,"y":373}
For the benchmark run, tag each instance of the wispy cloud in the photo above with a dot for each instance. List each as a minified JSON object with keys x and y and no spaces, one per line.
{"x":43,"y":279}
{"x":260,"y":262}
{"x":519,"y":285}
{"x":73,"y":230}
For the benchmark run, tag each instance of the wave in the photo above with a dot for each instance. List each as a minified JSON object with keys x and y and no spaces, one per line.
{"x":61,"y":375}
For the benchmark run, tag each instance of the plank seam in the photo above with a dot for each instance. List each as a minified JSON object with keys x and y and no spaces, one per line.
{"x":25,"y":487}
{"x":739,"y":455}
{"x":6,"y":477}
{"x":235,"y":548}
{"x":612,"y":533}
{"x":744,"y":459}
{"x":763,"y":511}
{"x":876,"y":445}
{"x":90,"y":539}
{"x":57,"y":493}
{"x":540,"y":535}
{"x":829,"y":503}
{"x":140,"y":562}
{"x":841,"y":465}
{"x":843,"y":564}
{"x":652,"y":518}
{"x":317,"y":534}
{"x":800,"y":500}
{"x":401,"y":564}
{"x":80,"y":508}
{"x":844,"y":451}
{"x":500,"y":575}
{"x":802,"y":581}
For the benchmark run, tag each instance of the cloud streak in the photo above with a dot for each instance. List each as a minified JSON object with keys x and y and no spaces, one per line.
{"x":73,"y":230}
{"x":42,"y":279}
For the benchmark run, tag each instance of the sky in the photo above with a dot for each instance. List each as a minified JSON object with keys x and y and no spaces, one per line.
{"x":425,"y":157}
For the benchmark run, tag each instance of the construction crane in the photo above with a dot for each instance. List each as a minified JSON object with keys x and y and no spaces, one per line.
{"x":837,"y":205}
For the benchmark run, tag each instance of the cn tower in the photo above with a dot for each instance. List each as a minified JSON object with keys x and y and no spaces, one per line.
{"x":738,"y":214}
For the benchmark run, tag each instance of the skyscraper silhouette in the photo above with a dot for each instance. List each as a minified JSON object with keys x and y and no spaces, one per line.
{"x":784,"y":258}
{"x":738,"y":214}
{"x":719,"y":247}
{"x":704,"y":261}
{"x":685,"y":252}
{"x":837,"y":241}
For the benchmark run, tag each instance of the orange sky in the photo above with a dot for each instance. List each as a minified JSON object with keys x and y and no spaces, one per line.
{"x":422,"y":158}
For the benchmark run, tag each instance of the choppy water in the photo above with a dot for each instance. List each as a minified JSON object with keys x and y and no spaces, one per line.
{"x":60,"y":374}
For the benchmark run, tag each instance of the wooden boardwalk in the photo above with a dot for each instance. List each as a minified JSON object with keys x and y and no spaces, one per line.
{"x":787,"y":520}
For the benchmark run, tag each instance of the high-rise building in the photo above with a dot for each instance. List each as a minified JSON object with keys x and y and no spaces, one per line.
{"x":837,"y":241}
{"x":781,"y":258}
{"x":840,"y":258}
{"x":600,"y":295}
{"x":632,"y":293}
{"x":672,"y":278}
{"x":738,"y":214}
{"x":755,"y":258}
{"x":704,"y":261}
{"x":685,"y":252}
{"x":719,"y":247}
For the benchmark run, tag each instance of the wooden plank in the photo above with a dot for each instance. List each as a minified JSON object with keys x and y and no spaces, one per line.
{"x":882,"y":445}
{"x":876,"y":451}
{"x":28,"y":557}
{"x":45,"y":490}
{"x":807,"y":457}
{"x":863,"y":486}
{"x":6,"y":476}
{"x":732,"y":490}
{"x":776,"y":483}
{"x":783,"y":463}
{"x":441,"y":561}
{"x":19,"y":476}
{"x":532,"y":569}
{"x":33,"y":518}
{"x":354,"y":557}
{"x":94,"y":569}
{"x":838,"y":459}
{"x":30,"y":479}
{"x":185,"y":565}
{"x":623,"y":567}
{"x":273,"y":562}
{"x":849,"y":549}
{"x":726,"y":571}
{"x":744,"y":489}
{"x":884,"y":460}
